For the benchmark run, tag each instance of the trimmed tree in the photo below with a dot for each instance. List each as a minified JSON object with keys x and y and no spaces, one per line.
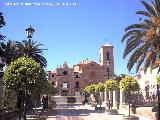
{"x":50,"y":89}
{"x":128,"y":85}
{"x":87,"y":91}
{"x":90,"y":89}
{"x":158,"y":79}
{"x":99,"y":88}
{"x":24,"y":74}
{"x":110,"y":85}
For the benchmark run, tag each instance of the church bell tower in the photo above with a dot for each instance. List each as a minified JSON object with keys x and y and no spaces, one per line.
{"x":107,"y":59}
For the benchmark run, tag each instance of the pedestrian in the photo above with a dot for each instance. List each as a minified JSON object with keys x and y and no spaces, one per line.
{"x":45,"y":102}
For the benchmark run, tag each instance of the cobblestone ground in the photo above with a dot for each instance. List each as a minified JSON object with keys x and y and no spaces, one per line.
{"x":77,"y":112}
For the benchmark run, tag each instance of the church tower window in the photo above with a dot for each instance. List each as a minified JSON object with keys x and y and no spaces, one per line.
{"x":107,"y":56}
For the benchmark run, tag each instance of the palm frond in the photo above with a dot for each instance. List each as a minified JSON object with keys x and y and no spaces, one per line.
{"x":150,"y":23}
{"x":129,"y":33}
{"x":2,"y":22}
{"x":149,"y":8}
{"x":140,"y":61}
{"x":132,"y":44}
{"x":136,"y":26}
{"x":143,"y":13}
{"x":135,"y":56}
{"x":147,"y":64}
{"x":31,"y":49}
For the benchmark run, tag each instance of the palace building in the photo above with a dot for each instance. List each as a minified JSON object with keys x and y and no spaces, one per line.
{"x":70,"y":81}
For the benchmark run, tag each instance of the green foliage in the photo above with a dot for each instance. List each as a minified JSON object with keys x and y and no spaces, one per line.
{"x":129,"y":84}
{"x":99,"y":87}
{"x":31,"y":49}
{"x":110,"y":85}
{"x":10,"y":100}
{"x":24,"y":72}
{"x":2,"y":23}
{"x":49,"y":88}
{"x":90,"y":89}
{"x":158,"y":79}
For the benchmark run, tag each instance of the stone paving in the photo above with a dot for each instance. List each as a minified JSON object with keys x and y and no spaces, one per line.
{"x":78,"y":112}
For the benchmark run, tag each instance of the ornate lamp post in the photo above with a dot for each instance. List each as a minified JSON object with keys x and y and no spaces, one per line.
{"x":29,"y":32}
{"x":24,"y":91}
{"x":1,"y":90}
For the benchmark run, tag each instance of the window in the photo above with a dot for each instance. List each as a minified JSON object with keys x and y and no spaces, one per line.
{"x":108,"y":70}
{"x":76,"y":76}
{"x":107,"y":56}
{"x":77,"y":84}
{"x":64,"y":85}
{"x":52,"y":83}
{"x":65,"y":73}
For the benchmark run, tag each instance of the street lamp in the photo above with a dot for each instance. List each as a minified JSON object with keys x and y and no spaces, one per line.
{"x":24,"y":90}
{"x":29,"y":32}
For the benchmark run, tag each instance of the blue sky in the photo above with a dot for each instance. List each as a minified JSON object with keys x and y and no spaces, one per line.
{"x":75,"y":32}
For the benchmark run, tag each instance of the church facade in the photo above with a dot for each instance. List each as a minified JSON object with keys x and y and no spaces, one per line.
{"x":70,"y":81}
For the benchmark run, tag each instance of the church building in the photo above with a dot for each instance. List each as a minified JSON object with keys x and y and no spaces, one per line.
{"x":70,"y":81}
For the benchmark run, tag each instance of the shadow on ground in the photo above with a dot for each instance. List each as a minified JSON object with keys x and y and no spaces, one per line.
{"x":65,"y":110}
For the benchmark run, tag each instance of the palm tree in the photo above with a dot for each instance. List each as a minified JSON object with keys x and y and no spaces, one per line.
{"x":10,"y":52}
{"x":2,"y":44}
{"x":31,"y":49}
{"x":2,"y":23}
{"x":143,"y":39}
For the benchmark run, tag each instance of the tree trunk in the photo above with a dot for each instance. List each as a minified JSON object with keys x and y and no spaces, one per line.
{"x":129,"y":101}
{"x":35,"y":104}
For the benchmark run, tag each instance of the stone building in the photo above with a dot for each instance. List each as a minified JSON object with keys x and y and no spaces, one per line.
{"x":147,"y":81}
{"x":70,"y":81}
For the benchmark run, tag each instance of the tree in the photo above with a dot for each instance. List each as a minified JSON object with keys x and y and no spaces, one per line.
{"x":143,"y":39}
{"x":158,"y":79}
{"x":99,"y":87}
{"x":22,"y":71}
{"x":24,"y":74}
{"x":2,"y":24}
{"x":10,"y":52}
{"x":2,"y":44}
{"x":49,"y":88}
{"x":110,"y":85}
{"x":31,"y":49}
{"x":90,"y":89}
{"x":128,"y":85}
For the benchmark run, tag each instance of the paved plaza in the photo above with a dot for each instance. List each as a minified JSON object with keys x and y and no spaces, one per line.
{"x":77,"y":112}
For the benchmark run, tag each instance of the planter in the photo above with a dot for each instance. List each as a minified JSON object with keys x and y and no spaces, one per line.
{"x":10,"y":115}
{"x":90,"y":105}
{"x":37,"y":119}
{"x":100,"y":108}
{"x":130,"y":118}
{"x":112,"y":112}
{"x":71,"y":100}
